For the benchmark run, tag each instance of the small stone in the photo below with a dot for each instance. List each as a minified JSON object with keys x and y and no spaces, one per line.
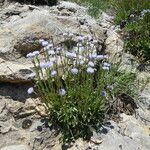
{"x":41,"y":109}
{"x":39,"y":128}
{"x":26,"y":123}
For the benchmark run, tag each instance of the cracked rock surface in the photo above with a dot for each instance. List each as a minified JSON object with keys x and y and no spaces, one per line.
{"x":23,"y":120}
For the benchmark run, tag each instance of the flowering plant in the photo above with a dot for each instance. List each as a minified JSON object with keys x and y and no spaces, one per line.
{"x":76,"y":84}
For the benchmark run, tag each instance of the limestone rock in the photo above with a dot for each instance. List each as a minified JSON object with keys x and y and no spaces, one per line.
{"x":14,"y":72}
{"x":16,"y":147}
{"x":114,"y":45}
{"x":2,"y":2}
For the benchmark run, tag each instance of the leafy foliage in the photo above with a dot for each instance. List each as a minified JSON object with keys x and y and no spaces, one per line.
{"x":135,"y":17}
{"x":95,"y":6}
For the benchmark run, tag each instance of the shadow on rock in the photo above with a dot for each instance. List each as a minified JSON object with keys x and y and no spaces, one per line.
{"x":15,"y":91}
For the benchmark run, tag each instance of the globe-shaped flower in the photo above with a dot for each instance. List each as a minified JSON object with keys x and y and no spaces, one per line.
{"x":71,"y":55}
{"x":103,"y":93}
{"x":43,"y":65}
{"x":53,"y":73}
{"x":36,"y":53}
{"x":92,"y":45}
{"x":30,"y":55}
{"x":49,"y":64}
{"x":105,"y":68}
{"x":100,"y":57}
{"x":90,"y":64}
{"x":44,"y":43}
{"x":79,"y":44}
{"x":92,"y":56}
{"x":81,"y":62}
{"x":62,"y":92}
{"x":106,"y":64}
{"x":90,"y":70}
{"x":30,"y":90}
{"x":74,"y":71}
{"x":48,"y":47}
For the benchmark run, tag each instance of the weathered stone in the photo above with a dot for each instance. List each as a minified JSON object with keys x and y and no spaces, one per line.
{"x":135,"y":130}
{"x":14,"y":72}
{"x":143,"y":113}
{"x":128,"y":63}
{"x":5,"y":127}
{"x":106,"y":20}
{"x":16,"y":147}
{"x":113,"y":42}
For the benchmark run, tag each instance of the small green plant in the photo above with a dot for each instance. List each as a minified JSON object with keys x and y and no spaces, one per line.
{"x":77,"y":84}
{"x":95,"y":6}
{"x":125,"y":8}
{"x":134,"y":15}
{"x":137,"y":39}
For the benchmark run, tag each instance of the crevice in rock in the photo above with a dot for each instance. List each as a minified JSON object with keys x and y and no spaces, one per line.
{"x":36,"y":2}
{"x":17,"y":92}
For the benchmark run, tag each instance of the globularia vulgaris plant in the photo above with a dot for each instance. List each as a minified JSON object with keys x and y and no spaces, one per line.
{"x":76,"y":83}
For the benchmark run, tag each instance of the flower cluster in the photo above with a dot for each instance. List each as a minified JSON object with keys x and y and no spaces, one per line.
{"x":33,"y":54}
{"x":75,"y":83}
{"x":82,"y":58}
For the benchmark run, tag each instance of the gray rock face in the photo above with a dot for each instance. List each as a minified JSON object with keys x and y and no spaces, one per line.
{"x":16,"y":147}
{"x":129,"y":134}
{"x":144,"y":104}
{"x":13,"y":72}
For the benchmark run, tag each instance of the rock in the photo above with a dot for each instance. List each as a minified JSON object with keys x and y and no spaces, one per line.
{"x":143,"y":113}
{"x":5,"y":126}
{"x":106,"y":20}
{"x":73,"y":7}
{"x":31,"y":103}
{"x":129,"y":134}
{"x":16,"y":147}
{"x":1,"y":2}
{"x":114,"y":45}
{"x":135,"y":130}
{"x":2,"y":105}
{"x":42,"y":110}
{"x":14,"y":72}
{"x":79,"y":144}
{"x":144,"y":99}
{"x":128,"y":63}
